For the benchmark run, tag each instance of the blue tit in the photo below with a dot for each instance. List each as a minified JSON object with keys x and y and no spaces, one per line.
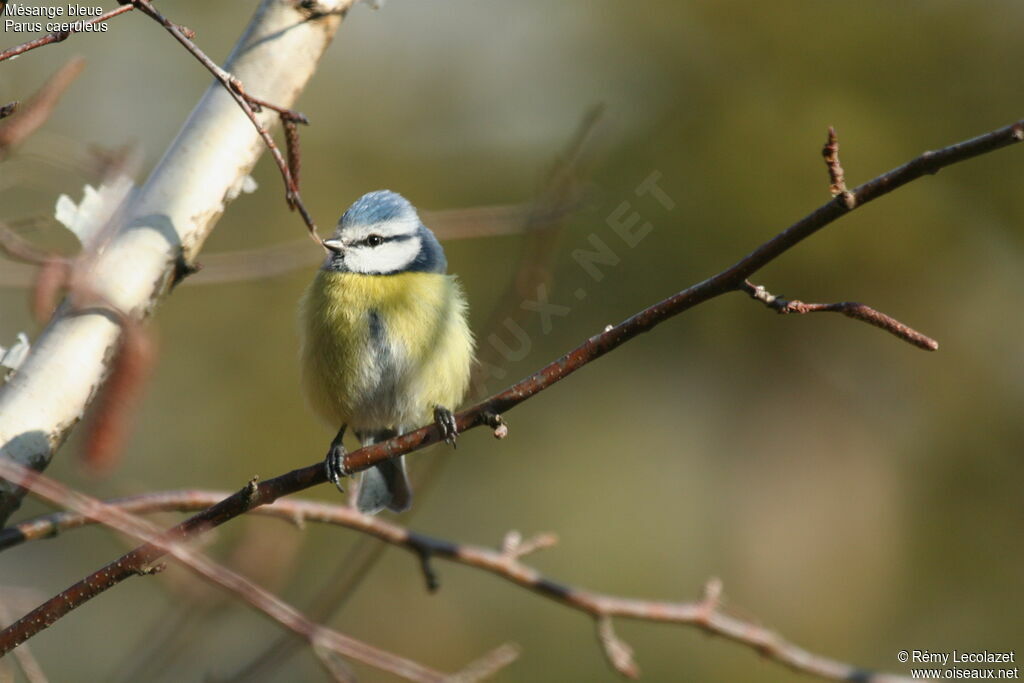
{"x":385,"y":343}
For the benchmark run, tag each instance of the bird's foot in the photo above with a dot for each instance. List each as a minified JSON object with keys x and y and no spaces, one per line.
{"x":445,"y":422}
{"x":334,"y":463}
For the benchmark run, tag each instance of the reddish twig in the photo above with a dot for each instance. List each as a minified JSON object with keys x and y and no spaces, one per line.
{"x":850,"y":309}
{"x":58,"y":36}
{"x":503,"y":562}
{"x":319,"y":637}
{"x":729,"y":280}
{"x":291,"y":140}
{"x":250,"y":106}
{"x":835,"y":169}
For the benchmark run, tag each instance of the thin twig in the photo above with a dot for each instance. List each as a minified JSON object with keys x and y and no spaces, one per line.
{"x":851,"y":309}
{"x":320,"y":637}
{"x":729,"y":280}
{"x":249,"y":105}
{"x":291,"y":139}
{"x":836,"y":175}
{"x":58,"y":36}
{"x":706,"y":613}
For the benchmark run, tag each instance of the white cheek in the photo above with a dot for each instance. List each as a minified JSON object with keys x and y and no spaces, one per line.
{"x":389,"y":257}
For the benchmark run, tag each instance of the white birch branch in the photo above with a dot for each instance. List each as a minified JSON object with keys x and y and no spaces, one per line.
{"x":170,"y":218}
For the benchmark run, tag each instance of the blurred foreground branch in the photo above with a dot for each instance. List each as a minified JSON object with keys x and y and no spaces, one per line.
{"x":324,"y":641}
{"x":706,"y":614}
{"x":488,"y":412}
{"x":27,"y":118}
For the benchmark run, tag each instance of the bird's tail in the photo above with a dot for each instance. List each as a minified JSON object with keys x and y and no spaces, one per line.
{"x":385,"y":485}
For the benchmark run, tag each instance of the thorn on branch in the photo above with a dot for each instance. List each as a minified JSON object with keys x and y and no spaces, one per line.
{"x":495,"y":422}
{"x":835,"y":170}
{"x":151,"y":570}
{"x":850,"y":309}
{"x":297,"y":519}
{"x":618,"y":651}
{"x":429,"y":575}
{"x":514,"y":547}
{"x":249,"y":491}
{"x":712,"y":597}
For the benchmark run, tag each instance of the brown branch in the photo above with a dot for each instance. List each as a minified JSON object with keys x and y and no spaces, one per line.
{"x":835,"y":169}
{"x":706,"y":613}
{"x":729,"y":280}
{"x":851,"y":309}
{"x":59,"y":36}
{"x":319,"y":637}
{"x":250,"y":106}
{"x":27,"y":661}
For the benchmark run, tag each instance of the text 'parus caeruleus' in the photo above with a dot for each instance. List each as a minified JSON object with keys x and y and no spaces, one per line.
{"x":385,"y":344}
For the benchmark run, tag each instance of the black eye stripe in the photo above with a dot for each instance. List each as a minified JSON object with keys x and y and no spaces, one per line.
{"x":377,"y":240}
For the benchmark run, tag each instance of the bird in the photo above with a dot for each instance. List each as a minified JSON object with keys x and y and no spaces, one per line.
{"x":385,"y":342}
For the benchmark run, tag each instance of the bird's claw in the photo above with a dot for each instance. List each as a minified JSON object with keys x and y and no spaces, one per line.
{"x":334,"y":463}
{"x":445,"y":421}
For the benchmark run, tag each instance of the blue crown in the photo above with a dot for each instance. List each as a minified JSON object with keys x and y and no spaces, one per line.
{"x":380,"y":206}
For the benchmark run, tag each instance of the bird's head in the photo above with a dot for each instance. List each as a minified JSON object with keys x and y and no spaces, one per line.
{"x":381,"y":234}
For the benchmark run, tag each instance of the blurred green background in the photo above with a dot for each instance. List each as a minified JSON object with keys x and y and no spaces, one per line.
{"x":856,"y":494}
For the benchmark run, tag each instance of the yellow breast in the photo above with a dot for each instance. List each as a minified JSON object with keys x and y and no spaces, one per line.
{"x":380,"y":351}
